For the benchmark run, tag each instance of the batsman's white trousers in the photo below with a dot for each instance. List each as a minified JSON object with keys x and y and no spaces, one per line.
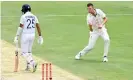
{"x":27,"y":42}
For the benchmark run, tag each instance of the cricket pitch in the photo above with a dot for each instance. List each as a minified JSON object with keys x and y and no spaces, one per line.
{"x":8,"y":57}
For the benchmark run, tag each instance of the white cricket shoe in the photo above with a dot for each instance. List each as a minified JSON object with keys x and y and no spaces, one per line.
{"x":105,"y":59}
{"x":77,"y":57}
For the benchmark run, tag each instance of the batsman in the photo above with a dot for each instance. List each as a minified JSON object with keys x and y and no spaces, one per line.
{"x":26,"y":32}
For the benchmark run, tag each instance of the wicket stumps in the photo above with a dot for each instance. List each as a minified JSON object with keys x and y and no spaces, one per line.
{"x":46,"y":71}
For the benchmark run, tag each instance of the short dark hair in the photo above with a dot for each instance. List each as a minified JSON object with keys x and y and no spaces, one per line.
{"x":89,"y":4}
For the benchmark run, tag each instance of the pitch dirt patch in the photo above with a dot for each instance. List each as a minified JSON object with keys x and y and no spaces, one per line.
{"x":7,"y":66}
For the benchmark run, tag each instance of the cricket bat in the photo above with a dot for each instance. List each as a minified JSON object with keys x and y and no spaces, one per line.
{"x":16,"y":59}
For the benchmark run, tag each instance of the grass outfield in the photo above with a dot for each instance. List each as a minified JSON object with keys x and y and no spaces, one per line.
{"x":65,"y":36}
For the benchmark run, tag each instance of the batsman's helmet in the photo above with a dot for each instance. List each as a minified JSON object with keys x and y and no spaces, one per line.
{"x":26,"y":8}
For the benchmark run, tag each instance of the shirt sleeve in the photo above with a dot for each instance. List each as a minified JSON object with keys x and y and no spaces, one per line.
{"x":36,"y":20}
{"x":89,"y":22}
{"x":102,"y":13}
{"x":22,"y":20}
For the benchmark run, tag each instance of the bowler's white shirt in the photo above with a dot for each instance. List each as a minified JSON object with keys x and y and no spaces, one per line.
{"x":95,"y":21}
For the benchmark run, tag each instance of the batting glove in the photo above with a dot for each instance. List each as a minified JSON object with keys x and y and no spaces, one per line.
{"x":16,"y":40}
{"x":40,"y":40}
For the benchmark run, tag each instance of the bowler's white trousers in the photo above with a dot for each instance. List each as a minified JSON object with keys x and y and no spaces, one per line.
{"x":93,"y":38}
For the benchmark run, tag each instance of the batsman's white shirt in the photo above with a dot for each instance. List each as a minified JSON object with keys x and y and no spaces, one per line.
{"x":27,"y":37}
{"x":29,"y":21}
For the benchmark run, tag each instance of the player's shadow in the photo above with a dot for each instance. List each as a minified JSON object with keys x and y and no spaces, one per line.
{"x":89,"y":61}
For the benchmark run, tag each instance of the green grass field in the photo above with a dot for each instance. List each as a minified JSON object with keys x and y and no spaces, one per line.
{"x":65,"y":36}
